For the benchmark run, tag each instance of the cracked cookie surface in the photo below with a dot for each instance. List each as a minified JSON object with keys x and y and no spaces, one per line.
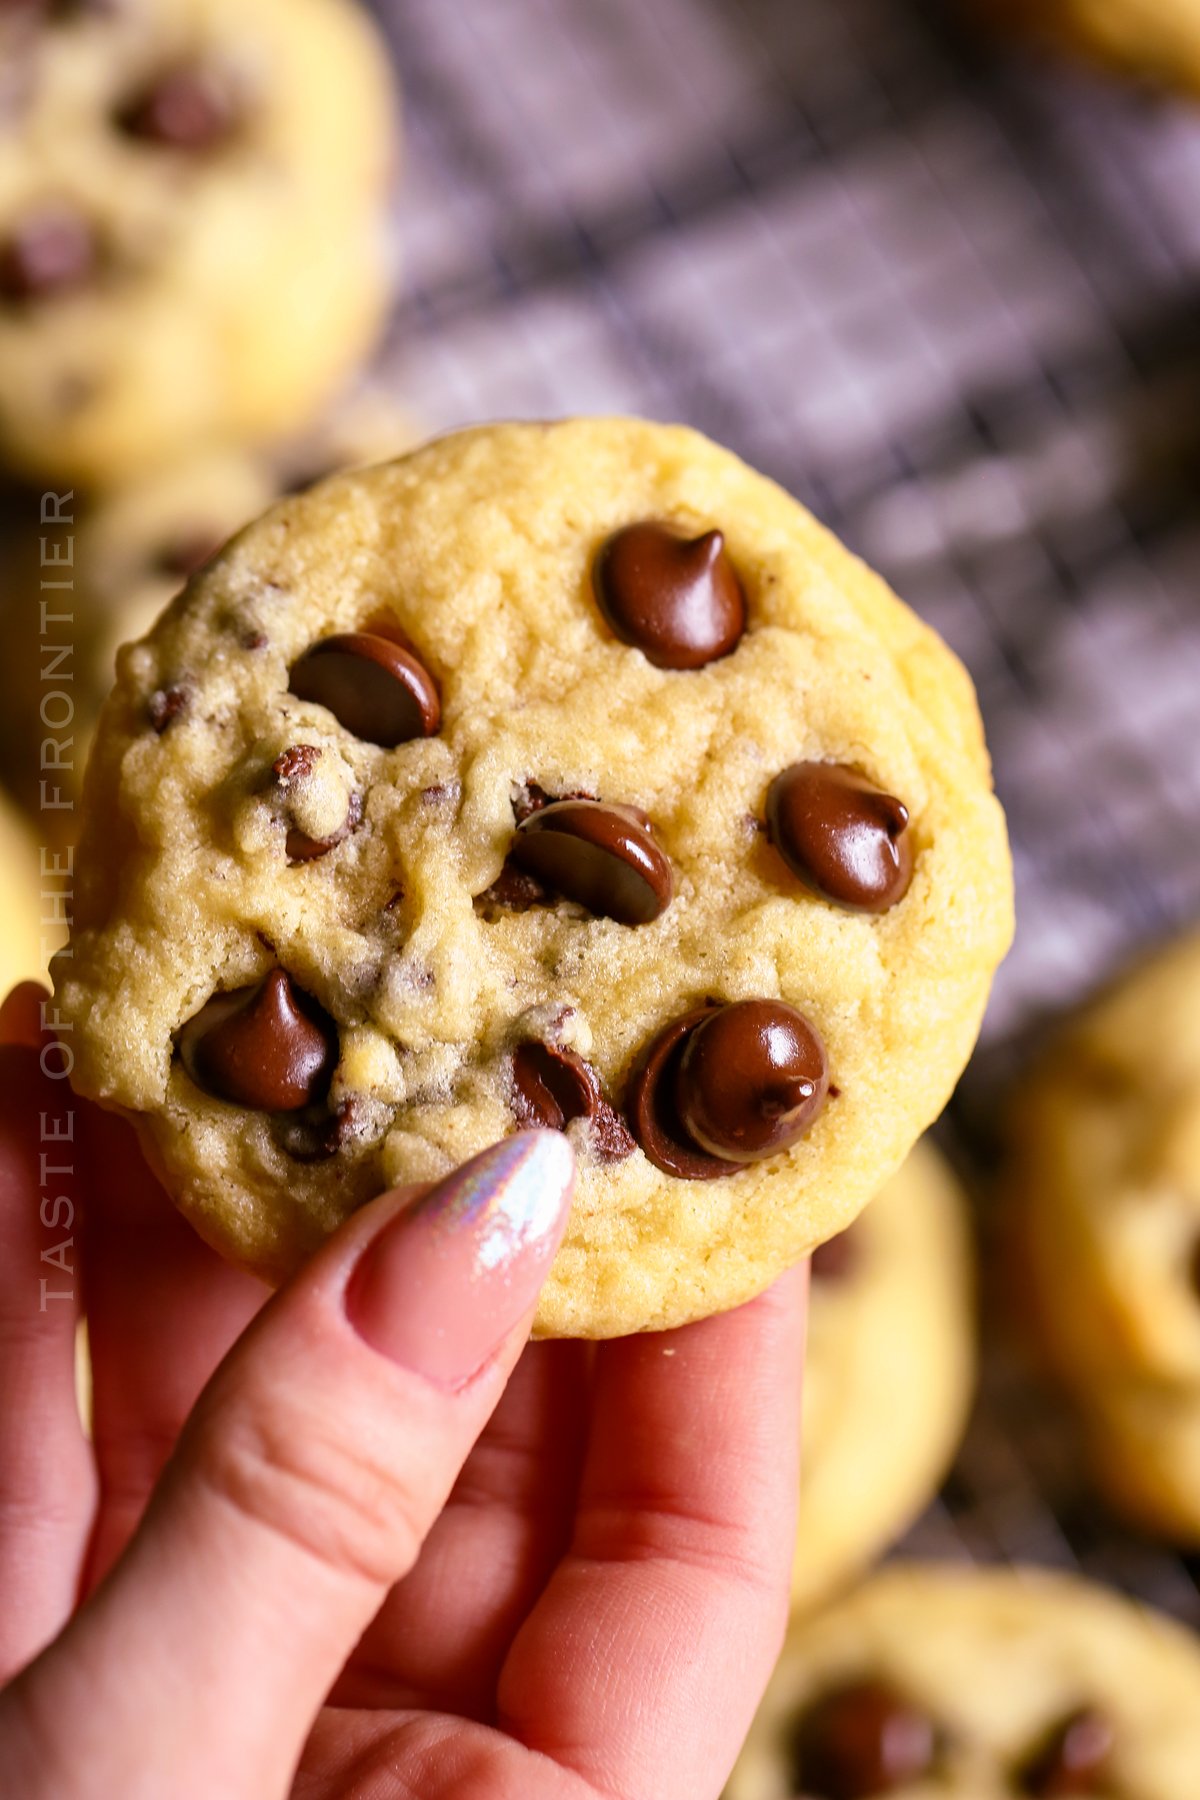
{"x":422,"y":649}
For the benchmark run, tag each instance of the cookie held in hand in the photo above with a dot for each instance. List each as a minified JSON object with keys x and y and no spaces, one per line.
{"x":544,"y":887}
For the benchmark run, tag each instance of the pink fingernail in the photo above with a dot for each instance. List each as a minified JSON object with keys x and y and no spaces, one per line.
{"x":444,"y":1283}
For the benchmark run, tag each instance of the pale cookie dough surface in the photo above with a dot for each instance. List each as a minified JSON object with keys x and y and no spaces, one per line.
{"x":1105,"y":1199}
{"x":480,"y":548}
{"x":232,"y":285}
{"x":994,"y":1660}
{"x":889,"y":1372}
{"x":1157,"y":39}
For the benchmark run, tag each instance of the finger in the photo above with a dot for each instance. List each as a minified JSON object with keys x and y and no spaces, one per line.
{"x":21,"y":1014}
{"x":442,"y":1635}
{"x":47,"y":1483}
{"x":642,"y":1664}
{"x":163,"y":1310}
{"x":303,"y":1487}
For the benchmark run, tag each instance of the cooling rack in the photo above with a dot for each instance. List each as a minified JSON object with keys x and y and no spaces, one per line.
{"x":946,"y":294}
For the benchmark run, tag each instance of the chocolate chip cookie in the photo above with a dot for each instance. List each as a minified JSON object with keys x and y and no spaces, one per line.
{"x":889,"y":1372}
{"x":1158,"y":40}
{"x":438,"y":804}
{"x":22,"y":956}
{"x":978,"y":1683}
{"x":131,"y":550}
{"x":192,"y":230}
{"x":1104,"y":1196}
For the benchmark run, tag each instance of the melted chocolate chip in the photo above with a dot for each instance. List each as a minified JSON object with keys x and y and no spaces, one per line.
{"x":751,"y":1080}
{"x":188,"y":109}
{"x":372,"y":685}
{"x":602,"y":856}
{"x":184,"y":555}
{"x":837,"y":1257}
{"x":551,"y":1086}
{"x":1074,"y":1759}
{"x":301,"y":848}
{"x":270,"y":1047}
{"x":512,"y":891}
{"x":47,"y":253}
{"x":862,"y":1740}
{"x":652,"y":1110}
{"x":845,"y":838}
{"x":165,"y":705}
{"x":315,"y":1135}
{"x":531,"y":797}
{"x":677,"y":599}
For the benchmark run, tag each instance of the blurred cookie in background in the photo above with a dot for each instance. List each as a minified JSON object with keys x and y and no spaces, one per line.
{"x":193,"y":232}
{"x":972,"y":1682}
{"x":1156,"y":40}
{"x":1104,"y":1208}
{"x":136,"y":548}
{"x":131,"y":552}
{"x":889,"y":1374}
{"x":22,"y":956}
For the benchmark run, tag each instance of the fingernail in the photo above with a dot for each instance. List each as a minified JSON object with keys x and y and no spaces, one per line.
{"x":441,"y":1287}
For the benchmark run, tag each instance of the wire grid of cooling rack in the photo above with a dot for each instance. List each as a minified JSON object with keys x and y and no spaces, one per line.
{"x":946,"y":296}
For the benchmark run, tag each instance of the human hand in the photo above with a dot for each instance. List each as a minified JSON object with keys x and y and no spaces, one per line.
{"x":388,"y":1547}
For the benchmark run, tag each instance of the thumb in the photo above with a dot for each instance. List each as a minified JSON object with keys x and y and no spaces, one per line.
{"x":301,"y":1489}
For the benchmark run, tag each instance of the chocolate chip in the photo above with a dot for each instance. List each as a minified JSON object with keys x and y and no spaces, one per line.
{"x":862,"y":1740}
{"x":602,"y":856}
{"x":652,"y":1110}
{"x":837,"y":1257}
{"x":1074,"y":1759}
{"x":844,"y":837}
{"x":301,"y":848}
{"x":184,"y":555}
{"x":677,"y":599}
{"x":612,"y":1140}
{"x":551,"y":1086}
{"x":165,"y":705}
{"x":47,"y":253}
{"x":373,"y":686}
{"x":254,"y":640}
{"x":315,"y":1135}
{"x":295,"y":763}
{"x":751,"y":1080}
{"x":531,"y":797}
{"x":270,"y":1046}
{"x":512,"y":891}
{"x":188,"y":109}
